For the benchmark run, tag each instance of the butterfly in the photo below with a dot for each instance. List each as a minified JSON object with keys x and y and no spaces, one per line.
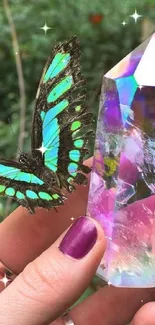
{"x":60,"y":131}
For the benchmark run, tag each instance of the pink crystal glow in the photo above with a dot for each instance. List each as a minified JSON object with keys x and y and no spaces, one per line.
{"x":122,"y":187}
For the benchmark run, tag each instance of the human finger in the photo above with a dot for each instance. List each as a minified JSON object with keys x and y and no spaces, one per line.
{"x":145,"y":315}
{"x":26,"y":236}
{"x":40,"y":293}
{"x":110,"y":305}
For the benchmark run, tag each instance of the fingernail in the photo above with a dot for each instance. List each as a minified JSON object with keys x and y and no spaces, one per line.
{"x":79,"y":239}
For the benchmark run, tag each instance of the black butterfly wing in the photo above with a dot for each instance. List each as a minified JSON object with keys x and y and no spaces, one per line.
{"x":27,"y":189}
{"x":61,"y":121}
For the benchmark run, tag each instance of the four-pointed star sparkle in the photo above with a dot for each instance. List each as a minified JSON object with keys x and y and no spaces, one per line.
{"x":42,"y":149}
{"x":45,"y":28}
{"x":135,"y":16}
{"x":5,"y":280}
{"x":124,"y":23}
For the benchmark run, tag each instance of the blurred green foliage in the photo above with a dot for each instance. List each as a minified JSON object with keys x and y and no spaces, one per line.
{"x":102,"y":46}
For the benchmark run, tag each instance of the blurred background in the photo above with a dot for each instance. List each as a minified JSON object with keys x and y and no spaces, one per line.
{"x":108,"y":30}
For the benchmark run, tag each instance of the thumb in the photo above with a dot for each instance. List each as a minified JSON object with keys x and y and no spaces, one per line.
{"x":53,"y":281}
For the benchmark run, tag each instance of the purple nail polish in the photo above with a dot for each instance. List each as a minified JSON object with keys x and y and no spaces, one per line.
{"x":79,"y":239}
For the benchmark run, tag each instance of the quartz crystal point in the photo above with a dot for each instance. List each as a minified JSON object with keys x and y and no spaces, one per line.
{"x":122,"y":187}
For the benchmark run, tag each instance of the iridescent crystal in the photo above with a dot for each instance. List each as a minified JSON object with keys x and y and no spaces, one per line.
{"x":122,"y":189}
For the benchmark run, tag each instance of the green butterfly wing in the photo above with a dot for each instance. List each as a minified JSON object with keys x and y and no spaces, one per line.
{"x":59,"y":136}
{"x":62,"y":117}
{"x":25,"y":187}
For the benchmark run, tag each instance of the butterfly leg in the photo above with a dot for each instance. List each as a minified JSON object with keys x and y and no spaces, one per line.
{"x":28,"y":206}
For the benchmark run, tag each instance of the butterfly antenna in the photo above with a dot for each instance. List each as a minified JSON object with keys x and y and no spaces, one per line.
{"x":13,"y":133}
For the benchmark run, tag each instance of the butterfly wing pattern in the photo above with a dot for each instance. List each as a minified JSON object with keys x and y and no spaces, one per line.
{"x":26,"y":188}
{"x":60,"y":132}
{"x":62,"y":116}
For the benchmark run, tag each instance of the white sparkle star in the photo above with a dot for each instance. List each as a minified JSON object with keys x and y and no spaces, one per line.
{"x":72,"y":218}
{"x":124,"y":23}
{"x":42,"y":149}
{"x":5,"y":280}
{"x":45,"y":28}
{"x":135,"y":16}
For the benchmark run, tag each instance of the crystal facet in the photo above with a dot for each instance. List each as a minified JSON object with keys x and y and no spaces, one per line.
{"x":122,"y":187}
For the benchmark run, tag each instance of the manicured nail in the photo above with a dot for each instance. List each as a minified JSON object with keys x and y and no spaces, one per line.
{"x":79,"y":239}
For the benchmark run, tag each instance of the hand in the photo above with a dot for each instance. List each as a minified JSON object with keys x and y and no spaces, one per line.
{"x":51,"y":282}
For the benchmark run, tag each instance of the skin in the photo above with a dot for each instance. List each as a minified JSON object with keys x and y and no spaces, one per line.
{"x":39,"y":295}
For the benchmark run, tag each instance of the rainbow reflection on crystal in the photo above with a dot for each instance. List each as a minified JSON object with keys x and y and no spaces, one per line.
{"x":122,"y":188}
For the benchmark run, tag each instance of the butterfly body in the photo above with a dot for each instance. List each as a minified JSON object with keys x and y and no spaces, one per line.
{"x":60,"y":131}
